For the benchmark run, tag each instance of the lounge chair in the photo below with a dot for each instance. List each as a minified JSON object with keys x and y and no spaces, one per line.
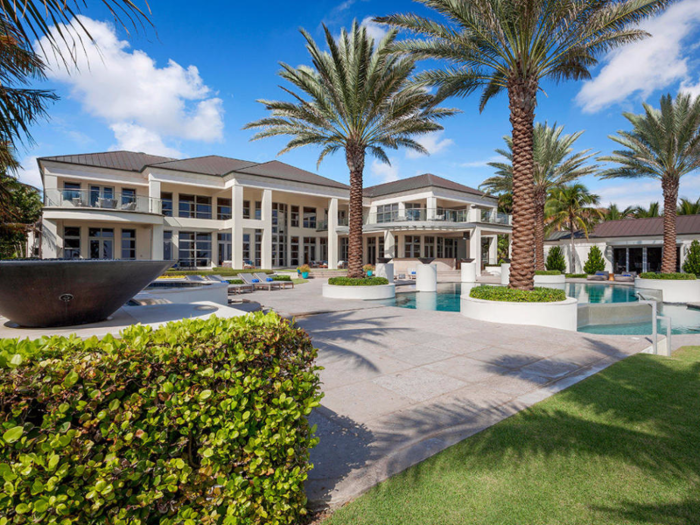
{"x":411,"y":273}
{"x":625,"y":277}
{"x":259,"y":285}
{"x":233,"y":288}
{"x":264,"y":278}
{"x":599,"y":276}
{"x":196,"y":278}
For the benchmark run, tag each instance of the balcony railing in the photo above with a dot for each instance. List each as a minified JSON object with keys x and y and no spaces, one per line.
{"x":418,"y":215}
{"x":493,"y":217}
{"x":82,"y":199}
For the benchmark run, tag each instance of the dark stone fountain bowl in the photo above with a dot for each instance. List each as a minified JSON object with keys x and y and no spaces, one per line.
{"x":45,"y":293}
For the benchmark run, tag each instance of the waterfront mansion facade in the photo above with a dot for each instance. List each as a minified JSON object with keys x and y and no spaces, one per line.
{"x":215,"y":211}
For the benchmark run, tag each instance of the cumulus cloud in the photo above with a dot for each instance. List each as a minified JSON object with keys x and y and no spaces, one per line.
{"x":644,"y":191}
{"x":648,"y":65}
{"x":133,"y":137}
{"x":29,"y":173}
{"x":374,"y":30}
{"x":384,"y":172}
{"x":127,"y":89}
{"x":433,"y":142}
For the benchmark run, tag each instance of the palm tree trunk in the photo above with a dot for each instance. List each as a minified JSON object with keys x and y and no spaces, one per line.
{"x":540,"y":201}
{"x":522,"y":95}
{"x":572,"y":266}
{"x":355,"y":157}
{"x":670,"y":189}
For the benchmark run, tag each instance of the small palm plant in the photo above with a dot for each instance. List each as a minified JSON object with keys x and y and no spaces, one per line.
{"x":358,"y":98}
{"x":664,"y":144}
{"x":614,"y":213}
{"x":555,"y":166}
{"x":688,"y":207}
{"x":573,"y":208}
{"x":513,"y":45}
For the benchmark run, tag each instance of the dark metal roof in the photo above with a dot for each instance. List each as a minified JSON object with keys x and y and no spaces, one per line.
{"x":565,"y":235}
{"x":209,"y":165}
{"x":116,"y":160}
{"x":685,"y":225}
{"x":279,"y":170}
{"x":420,"y":181}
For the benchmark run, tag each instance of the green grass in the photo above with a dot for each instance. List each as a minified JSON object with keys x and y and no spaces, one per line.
{"x":622,"y":447}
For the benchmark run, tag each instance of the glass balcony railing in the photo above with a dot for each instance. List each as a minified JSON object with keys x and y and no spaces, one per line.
{"x":493,"y":217}
{"x":418,"y":215}
{"x":104,"y":201}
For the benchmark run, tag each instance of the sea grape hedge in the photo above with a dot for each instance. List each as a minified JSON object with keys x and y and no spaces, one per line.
{"x":358,"y":281}
{"x":547,"y":272}
{"x":668,"y":276}
{"x":197,"y":422}
{"x":501,"y":293}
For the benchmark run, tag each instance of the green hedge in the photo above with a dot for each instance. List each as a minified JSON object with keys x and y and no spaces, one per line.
{"x":547,"y":272}
{"x":195,"y":422}
{"x":576,"y":275}
{"x":224,"y":272}
{"x":501,"y":293}
{"x":362,"y":281}
{"x":285,"y":278}
{"x":668,"y":276}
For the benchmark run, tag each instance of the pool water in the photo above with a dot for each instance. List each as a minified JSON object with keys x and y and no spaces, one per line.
{"x":683,"y":319}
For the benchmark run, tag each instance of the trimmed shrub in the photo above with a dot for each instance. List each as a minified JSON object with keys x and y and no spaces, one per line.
{"x":360,"y":281}
{"x":576,"y":275}
{"x":547,"y":272}
{"x":502,"y":293}
{"x":236,"y":281}
{"x":200,"y":421}
{"x":284,"y":278}
{"x":595,"y":262}
{"x":555,"y":260}
{"x":668,"y":276}
{"x":692,"y":259}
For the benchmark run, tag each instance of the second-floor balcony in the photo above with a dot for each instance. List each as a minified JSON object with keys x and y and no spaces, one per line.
{"x":420,"y":217}
{"x":111,"y":201}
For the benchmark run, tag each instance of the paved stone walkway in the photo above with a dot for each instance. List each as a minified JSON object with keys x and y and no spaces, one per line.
{"x":401,"y":385}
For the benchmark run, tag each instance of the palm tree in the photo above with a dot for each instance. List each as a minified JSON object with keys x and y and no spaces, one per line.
{"x":640,"y":212}
{"x":573,"y":208}
{"x":688,"y":207}
{"x":613,"y":213}
{"x":664,"y":144}
{"x":358,"y":98}
{"x":554,"y":166}
{"x":513,"y":45}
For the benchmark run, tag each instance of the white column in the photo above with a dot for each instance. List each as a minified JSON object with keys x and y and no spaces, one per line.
{"x":214,"y":249}
{"x":475,"y":248}
{"x":431,"y":204}
{"x":333,"y":234}
{"x":266,"y":216}
{"x":401,"y":246}
{"x":402,"y":210}
{"x":51,"y":243}
{"x":157,"y":242}
{"x":389,"y":245}
{"x":493,"y":250}
{"x":421,"y":250}
{"x":153,"y":205}
{"x":237,"y":229}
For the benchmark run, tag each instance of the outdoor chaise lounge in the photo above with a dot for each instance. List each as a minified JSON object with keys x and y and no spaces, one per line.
{"x":599,"y":276}
{"x":625,"y":277}
{"x":259,"y":285}
{"x":264,"y":278}
{"x":233,"y":288}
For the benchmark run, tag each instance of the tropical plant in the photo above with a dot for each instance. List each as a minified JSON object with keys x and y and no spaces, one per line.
{"x":664,"y":144}
{"x":654,"y":210}
{"x":572,"y":208}
{"x":692,"y":259}
{"x":595,"y":262}
{"x":554,"y":166}
{"x":555,"y":260}
{"x":688,"y":207}
{"x":613,"y":213}
{"x":514,"y":45}
{"x":358,"y":98}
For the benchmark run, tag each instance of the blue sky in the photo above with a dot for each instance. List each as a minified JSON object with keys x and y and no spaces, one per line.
{"x":187,"y":86}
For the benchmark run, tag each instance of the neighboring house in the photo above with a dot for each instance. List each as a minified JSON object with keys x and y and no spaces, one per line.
{"x":628,"y":245}
{"x":209,"y":211}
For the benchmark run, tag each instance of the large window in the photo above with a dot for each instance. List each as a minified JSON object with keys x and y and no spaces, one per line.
{"x":71,"y":242}
{"x":246,"y":209}
{"x":194,"y":207}
{"x":413,"y":212}
{"x":195,"y":249}
{"x":101,"y":243}
{"x":344,"y":244}
{"x":412,"y":246}
{"x":223,"y":210}
{"x":71,"y":192}
{"x":372,"y":250}
{"x":246,"y":250}
{"x":128,"y":199}
{"x":429,"y":246}
{"x":167,"y":246}
{"x":294,"y":254}
{"x":258,"y":210}
{"x":323,"y":246}
{"x":294,"y":219}
{"x":446,"y":248}
{"x":225,"y":248}
{"x":309,"y":250}
{"x":129,"y":244}
{"x":309,"y":217}
{"x":279,"y":234}
{"x":167,"y":200}
{"x":102,"y":197}
{"x":387,"y":212}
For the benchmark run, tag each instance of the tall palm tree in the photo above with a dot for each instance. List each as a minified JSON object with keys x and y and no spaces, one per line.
{"x":688,"y":207}
{"x":664,"y":144}
{"x":358,"y":98}
{"x":554,"y":166}
{"x":573,"y":208}
{"x":513,"y":45}
{"x":614,"y":213}
{"x":640,"y":212}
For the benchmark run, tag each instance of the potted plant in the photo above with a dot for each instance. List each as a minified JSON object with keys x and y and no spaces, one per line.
{"x":304,"y":271}
{"x":369,"y":269}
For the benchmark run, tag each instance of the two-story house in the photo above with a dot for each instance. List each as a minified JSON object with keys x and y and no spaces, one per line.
{"x":209,"y":211}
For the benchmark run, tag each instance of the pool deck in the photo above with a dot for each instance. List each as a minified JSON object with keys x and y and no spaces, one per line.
{"x":401,"y":385}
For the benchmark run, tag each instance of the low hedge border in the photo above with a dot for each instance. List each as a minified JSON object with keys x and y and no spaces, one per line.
{"x":547,"y":272}
{"x":361,"y":281}
{"x":668,"y":276}
{"x":200,"y":421}
{"x":502,"y":293}
{"x":576,"y":275}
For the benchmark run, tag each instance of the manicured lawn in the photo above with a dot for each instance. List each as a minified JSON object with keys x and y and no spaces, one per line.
{"x":622,"y":447}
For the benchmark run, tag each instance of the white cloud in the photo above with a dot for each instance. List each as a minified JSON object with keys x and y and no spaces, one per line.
{"x":385,"y":172}
{"x":648,"y":65}
{"x":133,"y":137}
{"x":127,"y":89}
{"x":481,"y":163}
{"x":374,"y":30}
{"x":29,"y":173}
{"x":641,"y":192}
{"x":433,"y":142}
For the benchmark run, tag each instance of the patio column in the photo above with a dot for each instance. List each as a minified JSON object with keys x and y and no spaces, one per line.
{"x":237,"y":229}
{"x":50,"y":241}
{"x":421,"y":249}
{"x":266,"y":216}
{"x":475,"y":248}
{"x":493,"y":250}
{"x":157,"y":242}
{"x":154,"y":193}
{"x":431,"y":204}
{"x":333,"y":234}
{"x":389,"y":245}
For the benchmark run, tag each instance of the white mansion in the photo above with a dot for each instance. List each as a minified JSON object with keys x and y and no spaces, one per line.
{"x":211,"y":211}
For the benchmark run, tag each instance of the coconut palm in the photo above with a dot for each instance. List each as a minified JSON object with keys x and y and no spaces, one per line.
{"x":358,"y":98}
{"x":688,"y":207}
{"x":654,"y":210}
{"x":554,"y":166}
{"x":614,"y":213}
{"x":663,"y":144}
{"x":513,"y":45}
{"x":573,"y":208}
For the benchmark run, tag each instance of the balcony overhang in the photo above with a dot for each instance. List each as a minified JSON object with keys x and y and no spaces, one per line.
{"x":101,"y":215}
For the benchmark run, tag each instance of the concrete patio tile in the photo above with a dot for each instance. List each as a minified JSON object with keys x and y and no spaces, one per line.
{"x":467,"y":369}
{"x":516,"y":383}
{"x":459,"y":346}
{"x":419,"y":384}
{"x":581,"y":356}
{"x":550,"y":368}
{"x":419,"y":354}
{"x":344,"y":367}
{"x":503,"y":358}
{"x":364,"y":401}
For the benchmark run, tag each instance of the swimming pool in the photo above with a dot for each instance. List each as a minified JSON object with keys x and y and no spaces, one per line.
{"x":683,"y":320}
